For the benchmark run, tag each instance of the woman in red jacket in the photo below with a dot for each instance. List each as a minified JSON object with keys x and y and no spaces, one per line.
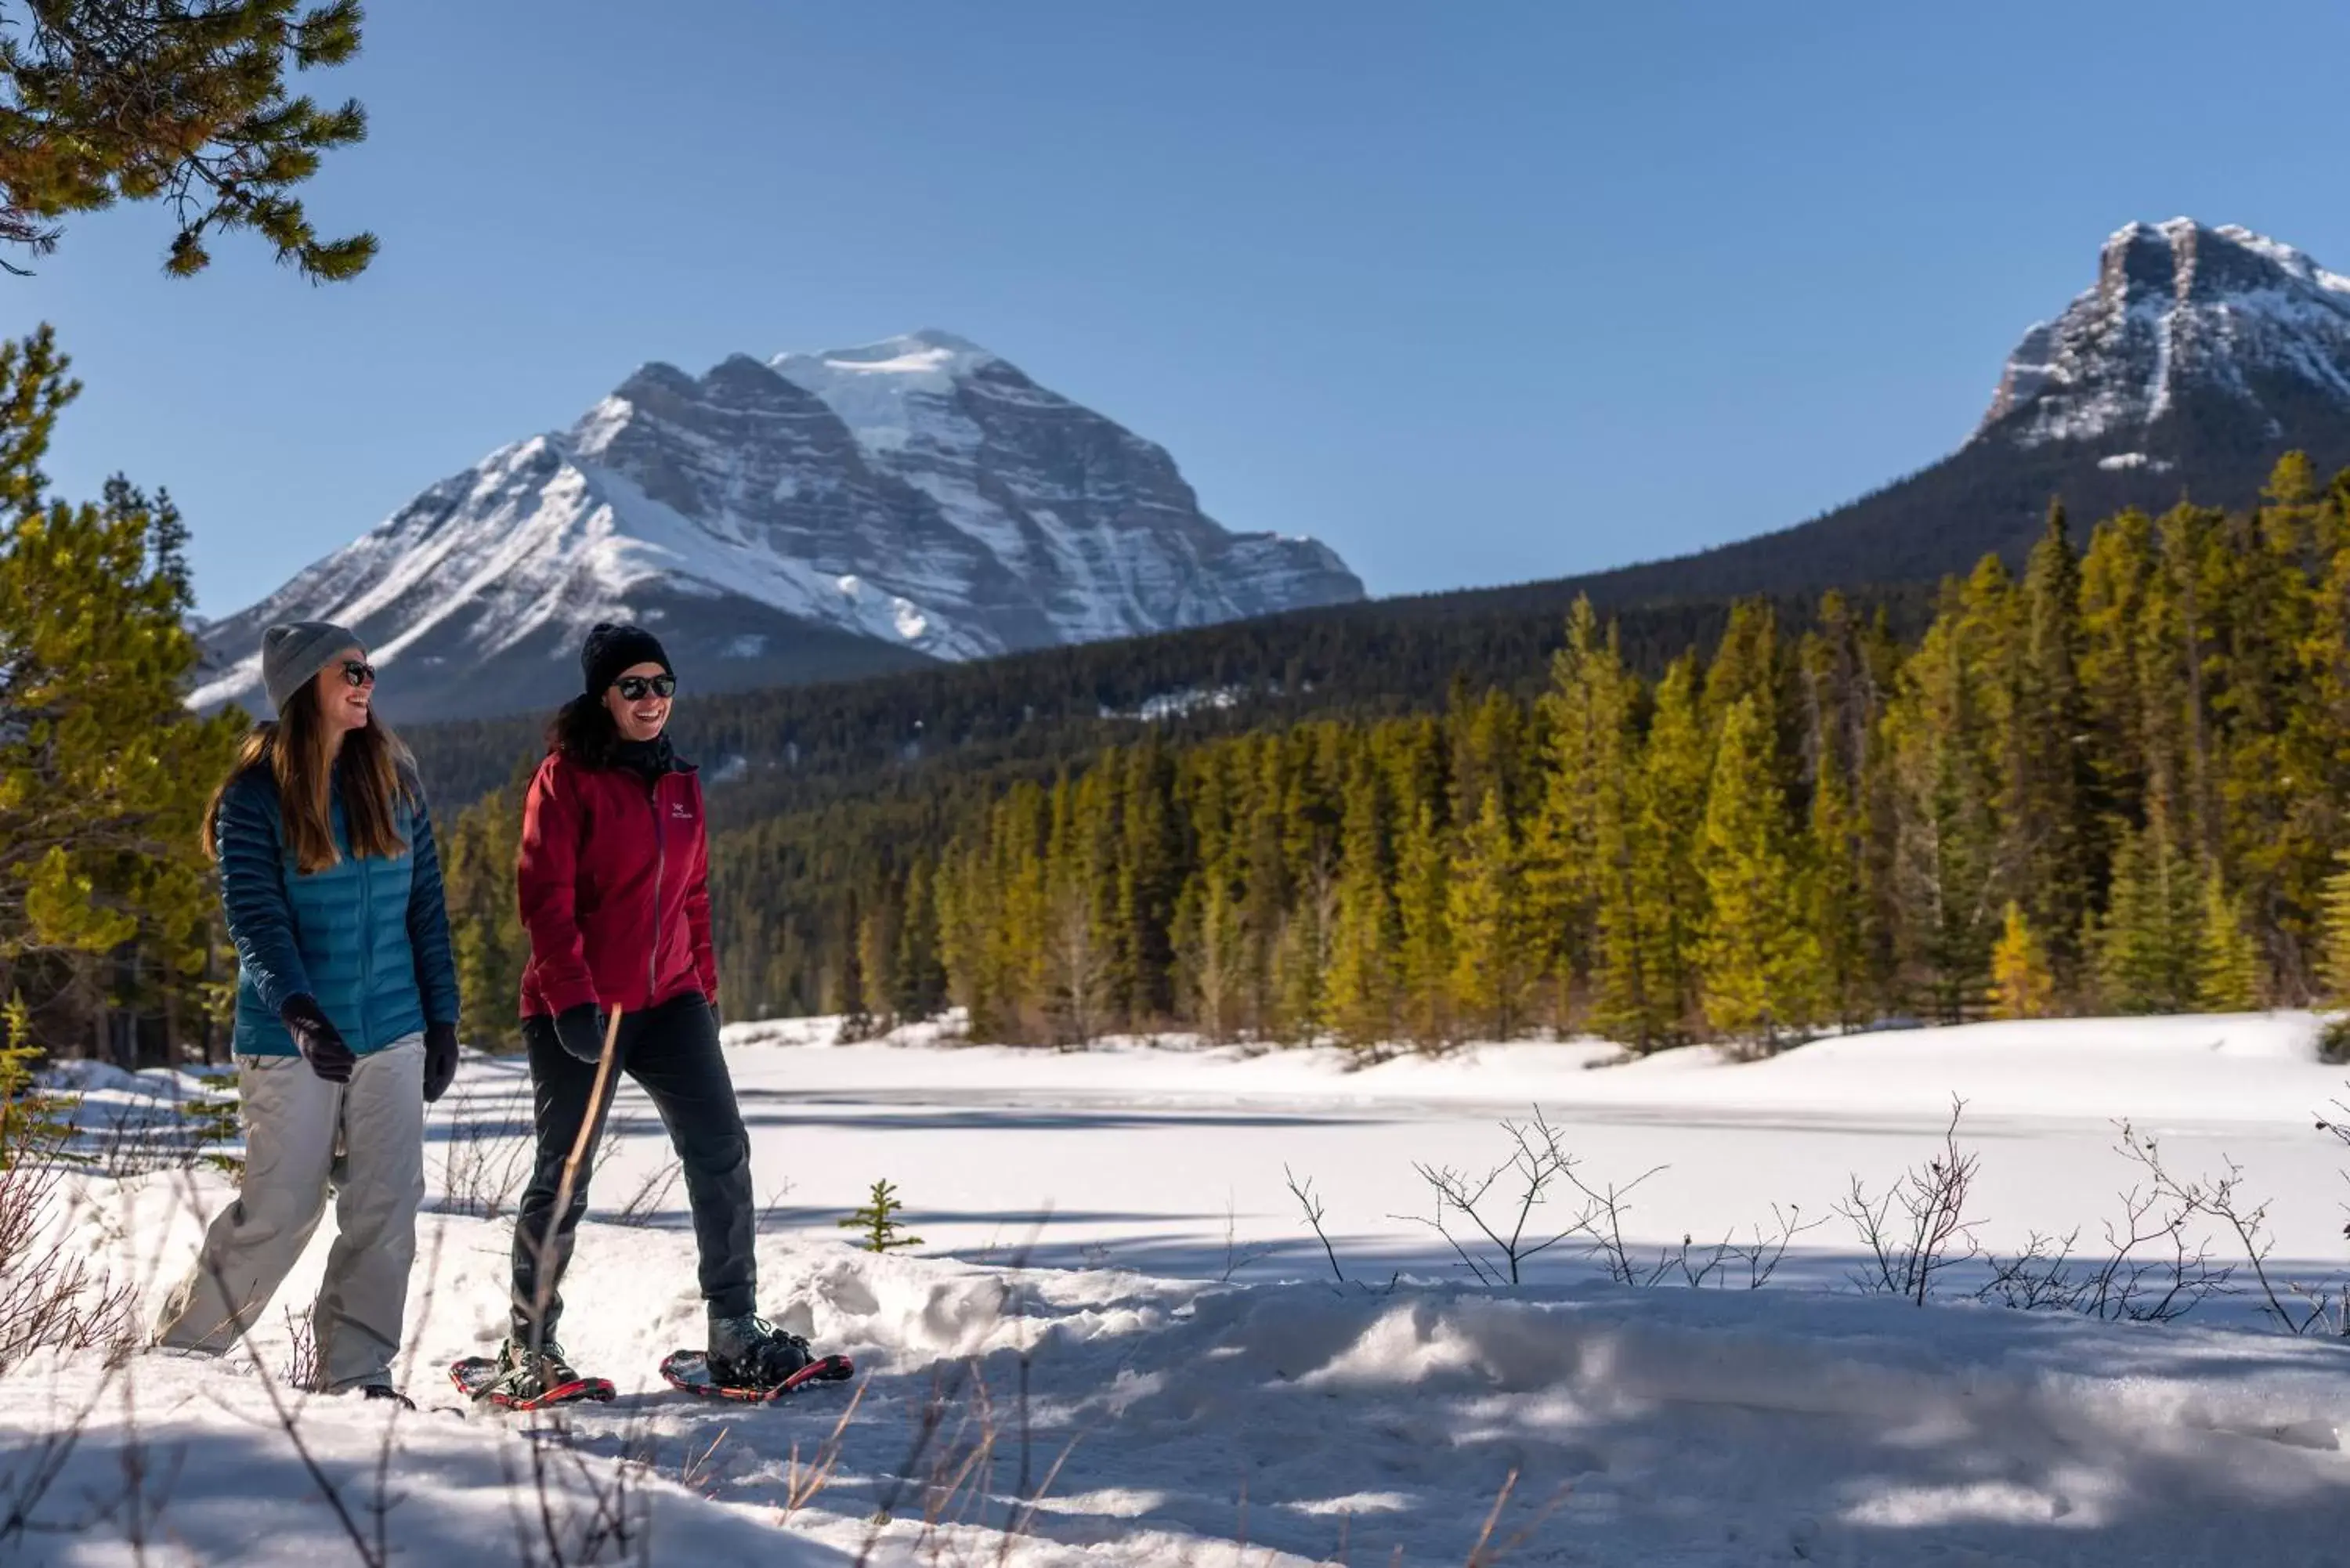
{"x":614,"y":880}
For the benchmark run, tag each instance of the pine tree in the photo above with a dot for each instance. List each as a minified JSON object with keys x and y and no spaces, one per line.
{"x":1663,"y":909}
{"x":1019,"y":942}
{"x":1423,"y":886}
{"x":1149,"y":881}
{"x":918,"y":982}
{"x":1630,"y":1003}
{"x":877,"y":949}
{"x":2151,"y":957}
{"x":2181,"y":661}
{"x":1080,"y":898}
{"x":2334,"y":968}
{"x":2293,"y":481}
{"x":2318,"y":718}
{"x":1218,"y":959}
{"x":1211,"y":912}
{"x":1759,"y":963}
{"x":2021,"y":984}
{"x":1750,"y":666}
{"x":1943,"y":786}
{"x":1302,"y":953}
{"x":1840,"y":702}
{"x":960,"y":923}
{"x":1486,"y":737}
{"x":34,"y":1126}
{"x":102,"y":786}
{"x":1360,"y":1002}
{"x":2053,"y":839}
{"x":492,"y":949}
{"x":1834,"y":916}
{"x":145,"y":100}
{"x":2229,"y":975}
{"x":1484,"y":915}
{"x":2276,"y":829}
{"x":877,"y":1224}
{"x":1311,"y":813}
{"x":848,"y":997}
{"x":2116,"y":572}
{"x":1266,"y":890}
{"x":1587,"y":716}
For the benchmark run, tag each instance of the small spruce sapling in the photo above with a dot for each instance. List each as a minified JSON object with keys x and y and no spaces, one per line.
{"x":877,"y":1224}
{"x":33,"y":1125}
{"x":214,"y":1122}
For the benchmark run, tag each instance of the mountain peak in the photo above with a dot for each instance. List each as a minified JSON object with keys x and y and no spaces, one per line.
{"x":811,"y":515}
{"x":885,"y":391}
{"x":926,"y":360}
{"x":2181,"y":310}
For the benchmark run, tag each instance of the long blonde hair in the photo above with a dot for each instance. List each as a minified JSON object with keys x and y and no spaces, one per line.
{"x":377,"y":772}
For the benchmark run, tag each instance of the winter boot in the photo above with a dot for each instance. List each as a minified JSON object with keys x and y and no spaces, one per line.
{"x":522,"y":1378}
{"x":749,"y":1352}
{"x":386,"y":1391}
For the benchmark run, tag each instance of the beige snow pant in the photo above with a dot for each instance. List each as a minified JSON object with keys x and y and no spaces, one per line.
{"x":364,"y":1139}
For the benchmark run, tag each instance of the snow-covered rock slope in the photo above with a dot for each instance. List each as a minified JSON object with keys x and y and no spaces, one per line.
{"x":2180,"y":308}
{"x":814,"y":516}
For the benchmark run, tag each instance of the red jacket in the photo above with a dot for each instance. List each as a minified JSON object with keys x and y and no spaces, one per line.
{"x":615,"y":884}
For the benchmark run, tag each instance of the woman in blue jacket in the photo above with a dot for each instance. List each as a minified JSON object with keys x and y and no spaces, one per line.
{"x":346,"y":1012}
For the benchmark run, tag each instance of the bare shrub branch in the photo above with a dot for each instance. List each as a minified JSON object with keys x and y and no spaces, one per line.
{"x":52,"y":1295}
{"x":2297,"y":1308}
{"x":644,"y":1205}
{"x":1312,"y":1205}
{"x":1537,"y":1162}
{"x":1932,"y":1234}
{"x":1603,"y":1221}
{"x":302,"y":1370}
{"x":1748,"y":1264}
{"x":483,"y":1168}
{"x":2152,"y":1270}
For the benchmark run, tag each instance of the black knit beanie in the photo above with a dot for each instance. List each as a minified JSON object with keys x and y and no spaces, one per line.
{"x":613,"y":649}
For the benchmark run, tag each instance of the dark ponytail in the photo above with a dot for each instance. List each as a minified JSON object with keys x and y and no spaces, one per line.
{"x":583,"y":732}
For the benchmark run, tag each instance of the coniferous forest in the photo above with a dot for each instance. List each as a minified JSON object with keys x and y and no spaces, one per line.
{"x":2111,"y":781}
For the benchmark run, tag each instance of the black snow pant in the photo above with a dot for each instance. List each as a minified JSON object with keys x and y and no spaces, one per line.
{"x":672,"y":1053}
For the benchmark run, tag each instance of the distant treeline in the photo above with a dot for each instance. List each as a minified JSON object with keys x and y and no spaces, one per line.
{"x":2114,"y":781}
{"x":792,"y":748}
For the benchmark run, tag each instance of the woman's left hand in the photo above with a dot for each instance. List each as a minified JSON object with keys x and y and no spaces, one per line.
{"x":440,"y":1059}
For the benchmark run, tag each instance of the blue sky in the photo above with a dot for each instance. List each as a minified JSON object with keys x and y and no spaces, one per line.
{"x":1475,"y":293}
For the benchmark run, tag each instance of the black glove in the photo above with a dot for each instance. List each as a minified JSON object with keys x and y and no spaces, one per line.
{"x":440,"y":1059}
{"x":315,"y":1036}
{"x":580,"y":1031}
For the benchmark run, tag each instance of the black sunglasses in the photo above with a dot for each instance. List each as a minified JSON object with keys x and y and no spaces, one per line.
{"x":637,"y":688}
{"x":358,"y":672}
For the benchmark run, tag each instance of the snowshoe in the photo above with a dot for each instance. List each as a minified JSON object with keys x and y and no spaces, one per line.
{"x":517,"y":1380}
{"x":690,"y":1371}
{"x":747,"y":1351}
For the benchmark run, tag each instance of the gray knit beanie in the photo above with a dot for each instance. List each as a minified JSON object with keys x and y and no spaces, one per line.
{"x":292,"y":655}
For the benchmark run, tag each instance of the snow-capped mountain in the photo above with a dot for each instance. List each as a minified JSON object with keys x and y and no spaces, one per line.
{"x":2199,"y":356}
{"x":2181,"y":313}
{"x":809,"y":516}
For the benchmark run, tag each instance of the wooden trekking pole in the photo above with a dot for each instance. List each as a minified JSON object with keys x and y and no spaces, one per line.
{"x":543,"y":1288}
{"x":595,"y":1122}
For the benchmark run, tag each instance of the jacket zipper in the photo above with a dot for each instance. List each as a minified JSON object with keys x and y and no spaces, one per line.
{"x":660,"y":865}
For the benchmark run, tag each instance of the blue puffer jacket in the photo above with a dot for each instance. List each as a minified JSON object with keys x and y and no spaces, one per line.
{"x":368,"y":939}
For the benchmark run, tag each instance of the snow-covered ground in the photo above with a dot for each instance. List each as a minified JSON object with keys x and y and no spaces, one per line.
{"x":1122,"y":1339}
